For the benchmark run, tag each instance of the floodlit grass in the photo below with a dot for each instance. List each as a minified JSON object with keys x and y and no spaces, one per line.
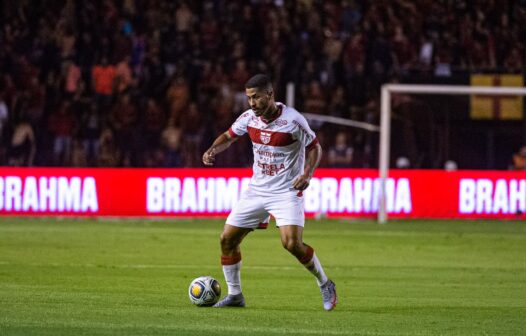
{"x":99,"y":277}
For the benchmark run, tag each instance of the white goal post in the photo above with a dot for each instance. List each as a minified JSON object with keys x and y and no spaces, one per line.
{"x":385,"y":120}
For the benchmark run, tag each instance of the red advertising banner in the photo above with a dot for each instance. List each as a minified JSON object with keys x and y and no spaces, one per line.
{"x":213,"y":192}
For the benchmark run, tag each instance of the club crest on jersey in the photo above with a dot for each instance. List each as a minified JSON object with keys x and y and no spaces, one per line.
{"x":265,"y":137}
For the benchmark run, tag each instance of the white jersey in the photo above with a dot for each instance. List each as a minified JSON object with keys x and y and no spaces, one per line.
{"x":279,"y":148}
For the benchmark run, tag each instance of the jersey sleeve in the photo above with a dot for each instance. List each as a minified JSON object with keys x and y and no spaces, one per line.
{"x":304,"y":134}
{"x":239,"y":127}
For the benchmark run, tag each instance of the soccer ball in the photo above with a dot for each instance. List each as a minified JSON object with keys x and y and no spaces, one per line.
{"x":204,"y":291}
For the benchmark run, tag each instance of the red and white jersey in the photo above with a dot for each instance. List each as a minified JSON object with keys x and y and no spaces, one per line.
{"x":279,"y":147}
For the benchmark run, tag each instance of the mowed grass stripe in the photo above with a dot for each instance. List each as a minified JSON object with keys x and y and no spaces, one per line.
{"x":260,"y":267}
{"x":175,"y":329}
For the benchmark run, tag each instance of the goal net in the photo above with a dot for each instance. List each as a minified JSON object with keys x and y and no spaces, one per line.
{"x":390,"y":90}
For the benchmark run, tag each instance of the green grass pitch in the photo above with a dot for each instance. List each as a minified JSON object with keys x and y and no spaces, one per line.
{"x":110,"y":277}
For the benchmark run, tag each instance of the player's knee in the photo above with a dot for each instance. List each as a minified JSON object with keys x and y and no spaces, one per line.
{"x":292,"y":245}
{"x":227,"y":241}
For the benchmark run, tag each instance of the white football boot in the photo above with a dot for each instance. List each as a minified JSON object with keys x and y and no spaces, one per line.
{"x":328,"y":293}
{"x":231,"y":301}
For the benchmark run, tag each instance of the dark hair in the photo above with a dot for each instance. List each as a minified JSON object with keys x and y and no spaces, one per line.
{"x":259,"y":81}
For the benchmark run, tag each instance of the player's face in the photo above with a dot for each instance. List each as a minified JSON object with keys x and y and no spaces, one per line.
{"x":259,"y":100}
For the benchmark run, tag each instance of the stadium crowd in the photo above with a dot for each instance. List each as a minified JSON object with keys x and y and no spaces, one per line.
{"x":150,"y":83}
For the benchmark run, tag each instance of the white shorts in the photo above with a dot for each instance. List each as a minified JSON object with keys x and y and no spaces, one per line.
{"x":253,"y":210}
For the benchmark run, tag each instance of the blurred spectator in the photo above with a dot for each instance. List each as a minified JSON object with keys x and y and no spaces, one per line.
{"x":90,"y":129}
{"x":123,"y":75}
{"x":351,"y":15}
{"x":338,"y":106}
{"x":22,"y":146}
{"x":426,"y":53}
{"x":184,"y":17}
{"x":239,"y":77}
{"x":35,"y":99}
{"x":403,"y":50}
{"x":154,"y":123}
{"x":178,"y":97}
{"x":109,"y":154}
{"x":450,"y":165}
{"x":4,"y":115}
{"x":79,"y":156}
{"x":124,"y":119}
{"x":61,"y":125}
{"x":403,"y":162}
{"x":341,"y":153}
{"x":210,"y":33}
{"x":515,"y":61}
{"x":103,"y":75}
{"x":315,"y":99}
{"x":155,"y":158}
{"x":153,"y":77}
{"x":72,"y":78}
{"x":192,"y":124}
{"x":67,"y":41}
{"x":138,"y":53}
{"x":171,"y":142}
{"x":354,"y":54}
{"x":332,"y":50}
{"x":519,"y":160}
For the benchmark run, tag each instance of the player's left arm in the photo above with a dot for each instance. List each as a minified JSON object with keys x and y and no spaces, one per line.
{"x":312,"y":161}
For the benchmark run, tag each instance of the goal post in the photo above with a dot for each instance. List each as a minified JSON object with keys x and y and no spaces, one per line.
{"x":385,"y":120}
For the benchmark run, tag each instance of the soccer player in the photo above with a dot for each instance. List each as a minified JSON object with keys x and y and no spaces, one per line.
{"x":286,"y":152}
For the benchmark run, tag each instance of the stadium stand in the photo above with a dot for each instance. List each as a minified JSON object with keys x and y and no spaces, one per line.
{"x":150,"y":83}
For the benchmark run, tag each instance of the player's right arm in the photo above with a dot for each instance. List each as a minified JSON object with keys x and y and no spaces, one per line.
{"x":221,"y":143}
{"x":239,"y":127}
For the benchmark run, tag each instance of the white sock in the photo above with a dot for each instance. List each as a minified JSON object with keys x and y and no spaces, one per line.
{"x":233,"y":278}
{"x":315,"y":268}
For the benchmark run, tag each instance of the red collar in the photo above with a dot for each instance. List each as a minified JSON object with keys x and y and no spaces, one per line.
{"x":280,"y":109}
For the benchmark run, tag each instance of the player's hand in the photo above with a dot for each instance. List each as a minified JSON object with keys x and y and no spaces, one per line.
{"x":209,"y":157}
{"x":301,"y":182}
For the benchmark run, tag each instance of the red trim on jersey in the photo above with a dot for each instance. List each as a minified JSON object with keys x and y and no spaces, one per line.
{"x":262,"y":226}
{"x":232,"y":134}
{"x":225,"y":260}
{"x":308,"y":256}
{"x":311,"y":145}
{"x":276,"y":139}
